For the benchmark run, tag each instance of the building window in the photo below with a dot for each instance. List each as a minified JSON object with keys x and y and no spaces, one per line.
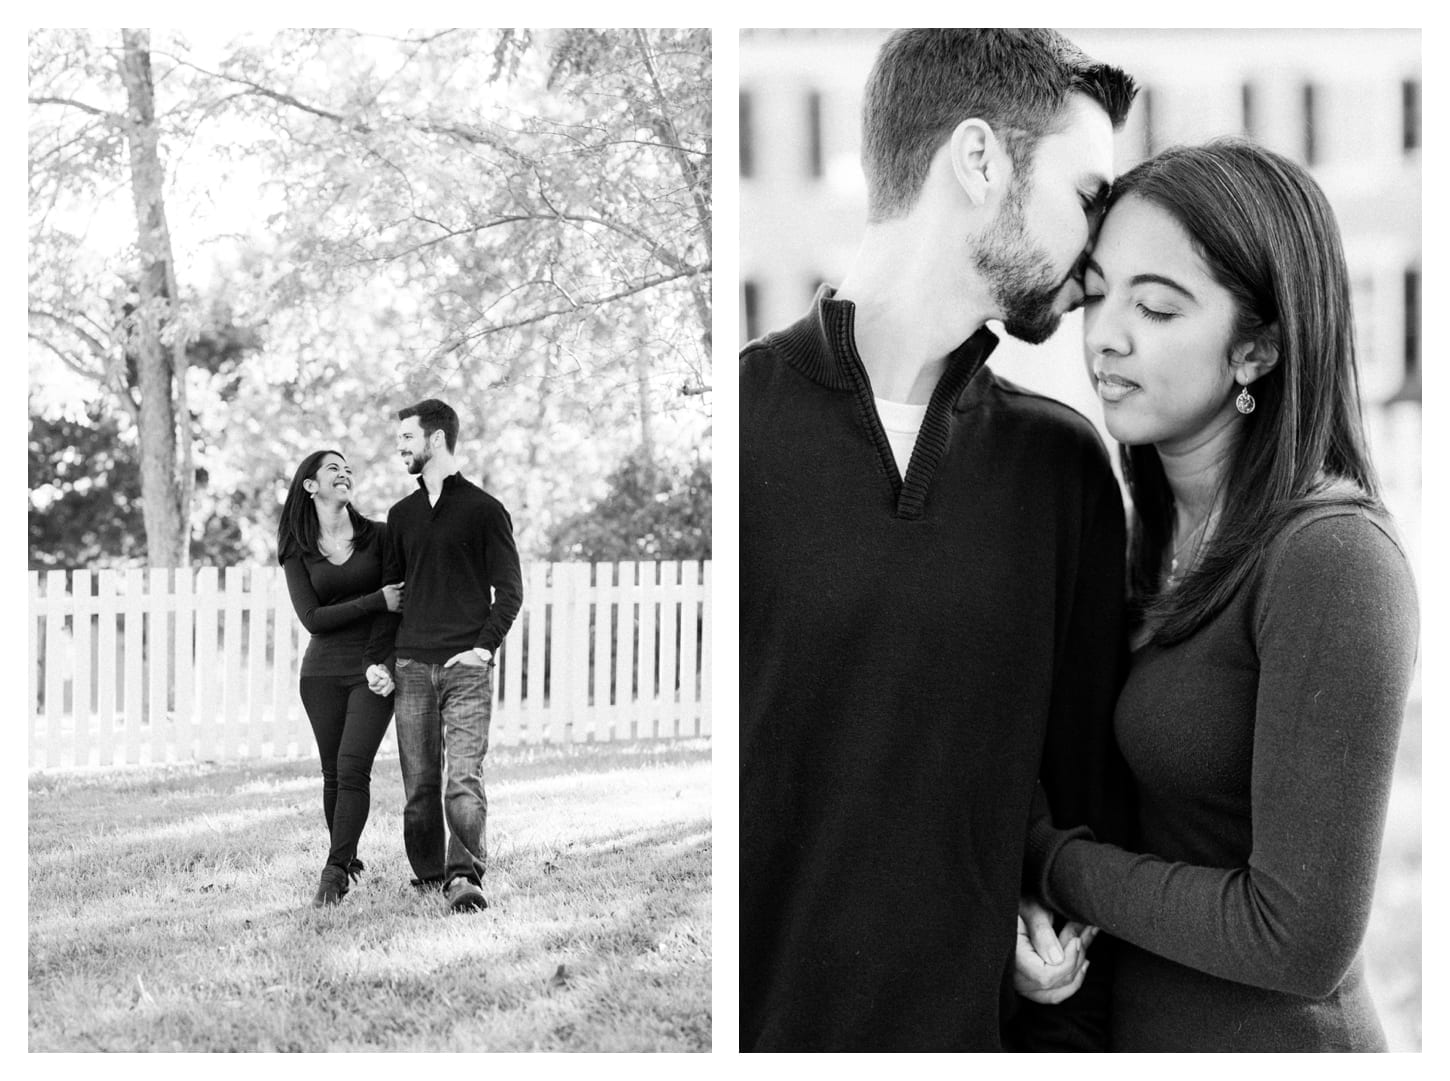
{"x":1311,"y":147}
{"x":751,"y":305}
{"x":1145,"y":109}
{"x":1246,"y":106}
{"x":1411,"y":388}
{"x":747,"y":138}
{"x":813,"y":129}
{"x":1410,"y":113}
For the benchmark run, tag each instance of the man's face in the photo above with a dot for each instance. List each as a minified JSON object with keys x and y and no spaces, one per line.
{"x":1029,"y":252}
{"x":412,"y":446}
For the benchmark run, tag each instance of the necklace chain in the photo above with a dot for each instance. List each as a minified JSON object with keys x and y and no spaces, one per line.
{"x":1201,"y":530}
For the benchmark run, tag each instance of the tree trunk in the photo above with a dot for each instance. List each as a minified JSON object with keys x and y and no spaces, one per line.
{"x":165,"y":499}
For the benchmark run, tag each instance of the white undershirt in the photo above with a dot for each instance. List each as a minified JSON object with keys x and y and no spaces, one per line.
{"x":902,"y":423}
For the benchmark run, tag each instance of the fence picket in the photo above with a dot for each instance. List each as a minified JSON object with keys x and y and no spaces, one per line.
{"x":671,"y":699}
{"x":259,"y":604}
{"x":208,"y":684}
{"x":538,"y":601}
{"x":57,"y":603}
{"x":80,"y":743}
{"x":232,"y":601}
{"x":600,"y":667}
{"x":183,"y":654}
{"x":284,"y":683}
{"x":33,"y":683}
{"x":706,"y":668}
{"x":625,"y":651}
{"x":135,"y":638}
{"x":108,"y":610}
{"x":204,"y":665}
{"x":158,"y":657}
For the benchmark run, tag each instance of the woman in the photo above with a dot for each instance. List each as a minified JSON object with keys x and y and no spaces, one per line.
{"x":1276,"y":617}
{"x":332,"y":557}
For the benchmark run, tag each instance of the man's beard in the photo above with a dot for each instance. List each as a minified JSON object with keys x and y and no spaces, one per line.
{"x":1022,"y":281}
{"x":418,"y":461}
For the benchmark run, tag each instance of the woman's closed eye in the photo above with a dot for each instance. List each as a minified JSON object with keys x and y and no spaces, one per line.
{"x":1154,"y":314}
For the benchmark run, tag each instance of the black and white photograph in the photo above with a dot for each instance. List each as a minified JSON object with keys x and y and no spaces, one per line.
{"x":1079,"y":526}
{"x":370,"y":540}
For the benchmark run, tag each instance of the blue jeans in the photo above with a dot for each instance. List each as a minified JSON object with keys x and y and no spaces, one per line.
{"x":442,"y":720}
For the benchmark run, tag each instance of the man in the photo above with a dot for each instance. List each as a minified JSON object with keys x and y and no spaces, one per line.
{"x":452,"y":543}
{"x":931,"y":574}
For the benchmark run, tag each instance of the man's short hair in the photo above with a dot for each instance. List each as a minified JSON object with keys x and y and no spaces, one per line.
{"x":926,"y":82}
{"x":434,"y":416}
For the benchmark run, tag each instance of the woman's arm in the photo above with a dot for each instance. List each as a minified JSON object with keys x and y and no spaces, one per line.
{"x":319,"y":618}
{"x":1336,"y":636}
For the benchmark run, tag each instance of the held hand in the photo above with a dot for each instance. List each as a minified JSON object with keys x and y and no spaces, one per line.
{"x":1036,"y":976}
{"x":380,"y":680}
{"x":469,"y":658}
{"x":393,"y":596}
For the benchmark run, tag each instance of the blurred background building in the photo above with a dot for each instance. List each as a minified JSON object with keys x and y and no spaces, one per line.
{"x":1345,"y":103}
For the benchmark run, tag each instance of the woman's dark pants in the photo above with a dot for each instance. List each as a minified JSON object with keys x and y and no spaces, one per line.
{"x":349,"y":722}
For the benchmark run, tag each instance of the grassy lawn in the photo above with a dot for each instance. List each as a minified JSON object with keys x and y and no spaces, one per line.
{"x":170,"y":910}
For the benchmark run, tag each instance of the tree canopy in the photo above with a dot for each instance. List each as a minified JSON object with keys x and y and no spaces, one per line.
{"x":516,"y":221}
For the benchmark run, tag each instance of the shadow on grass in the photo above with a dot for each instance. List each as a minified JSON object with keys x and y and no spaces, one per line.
{"x":160,"y":921}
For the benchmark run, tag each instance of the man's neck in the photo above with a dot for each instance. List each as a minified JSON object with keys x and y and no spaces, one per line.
{"x":439,"y":468}
{"x":913,"y":290}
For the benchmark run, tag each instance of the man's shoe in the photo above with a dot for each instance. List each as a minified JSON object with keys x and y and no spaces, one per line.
{"x":464,"y":896}
{"x":332,"y":888}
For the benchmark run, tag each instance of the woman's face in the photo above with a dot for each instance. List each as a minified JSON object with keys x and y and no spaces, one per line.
{"x":1158,"y":332}
{"x":333,"y":480}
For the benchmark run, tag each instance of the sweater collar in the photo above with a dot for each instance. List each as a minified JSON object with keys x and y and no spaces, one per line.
{"x":453,"y":480}
{"x":824,"y":348}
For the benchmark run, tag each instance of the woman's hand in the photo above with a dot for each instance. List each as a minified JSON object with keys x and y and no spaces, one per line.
{"x":380,"y":680}
{"x":393,"y":596}
{"x":1048,"y":966}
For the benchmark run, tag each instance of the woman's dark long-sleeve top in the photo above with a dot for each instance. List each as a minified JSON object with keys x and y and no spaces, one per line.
{"x":1263,"y":748}
{"x":338,"y":605}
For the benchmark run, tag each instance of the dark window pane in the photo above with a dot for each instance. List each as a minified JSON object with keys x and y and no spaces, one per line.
{"x":1410,"y":99}
{"x":1311,"y":148}
{"x":813,"y":128}
{"x":747,"y":138}
{"x":1145,"y":106}
{"x":1247,"y":101}
{"x":1412,"y":324}
{"x":752,"y":311}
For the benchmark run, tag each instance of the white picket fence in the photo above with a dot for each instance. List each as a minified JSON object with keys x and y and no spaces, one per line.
{"x":141,"y":666}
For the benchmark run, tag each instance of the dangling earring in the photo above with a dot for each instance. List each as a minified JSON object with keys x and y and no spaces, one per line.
{"x":1245,"y":401}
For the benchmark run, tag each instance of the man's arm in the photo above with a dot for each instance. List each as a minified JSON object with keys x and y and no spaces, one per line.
{"x":379,"y":649}
{"x":1082,"y":774}
{"x":505,"y":578}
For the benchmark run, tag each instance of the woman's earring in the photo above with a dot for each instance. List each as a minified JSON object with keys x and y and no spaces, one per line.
{"x":1245,"y":401}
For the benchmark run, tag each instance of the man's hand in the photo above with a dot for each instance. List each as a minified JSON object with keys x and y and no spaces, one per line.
{"x":1049,"y":967}
{"x":380,"y":680}
{"x":393,"y":596}
{"x":469,"y":658}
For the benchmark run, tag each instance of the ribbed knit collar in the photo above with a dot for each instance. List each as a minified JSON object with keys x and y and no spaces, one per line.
{"x":823,"y":348}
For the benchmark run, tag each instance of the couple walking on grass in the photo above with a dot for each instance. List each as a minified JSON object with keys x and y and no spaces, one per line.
{"x":951,"y":722}
{"x":452,"y":544}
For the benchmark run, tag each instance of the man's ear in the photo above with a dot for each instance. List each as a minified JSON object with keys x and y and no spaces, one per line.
{"x":973,"y":148}
{"x":1253,"y":359}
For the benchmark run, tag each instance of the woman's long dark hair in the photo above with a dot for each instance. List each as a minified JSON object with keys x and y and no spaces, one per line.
{"x":1266,"y":234}
{"x":297,"y":529}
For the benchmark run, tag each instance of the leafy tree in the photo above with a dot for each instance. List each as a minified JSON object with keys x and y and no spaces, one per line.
{"x":649,"y":512}
{"x":517,"y":221}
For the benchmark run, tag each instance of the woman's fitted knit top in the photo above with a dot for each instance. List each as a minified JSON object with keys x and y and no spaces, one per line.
{"x":1263,"y":749}
{"x":337,"y":604}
